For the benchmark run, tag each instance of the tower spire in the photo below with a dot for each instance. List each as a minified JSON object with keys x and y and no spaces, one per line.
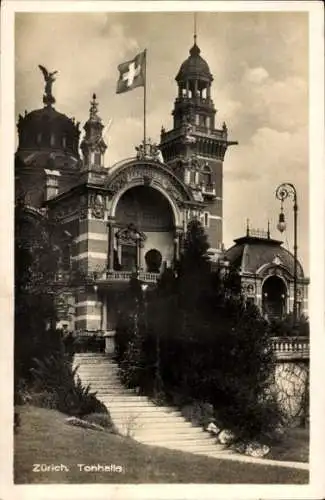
{"x":195,"y":31}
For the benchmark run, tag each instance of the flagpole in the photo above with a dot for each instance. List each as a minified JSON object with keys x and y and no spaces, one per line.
{"x":145,"y":100}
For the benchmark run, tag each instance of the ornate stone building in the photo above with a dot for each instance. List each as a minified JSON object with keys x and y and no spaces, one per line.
{"x":266,"y":271}
{"x":131,"y":216}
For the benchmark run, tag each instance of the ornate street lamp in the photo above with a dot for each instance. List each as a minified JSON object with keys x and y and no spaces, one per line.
{"x":284,"y":191}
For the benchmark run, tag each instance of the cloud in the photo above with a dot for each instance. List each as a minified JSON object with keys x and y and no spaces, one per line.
{"x":255,"y":75}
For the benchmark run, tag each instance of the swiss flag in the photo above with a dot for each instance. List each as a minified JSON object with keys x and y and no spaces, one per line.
{"x":132,"y":73}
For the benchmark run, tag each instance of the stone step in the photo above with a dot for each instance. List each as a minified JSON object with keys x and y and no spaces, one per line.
{"x":99,"y":373}
{"x":98,"y":367}
{"x":173,"y":437}
{"x":138,"y":416}
{"x":141,"y":405}
{"x":181,"y":446}
{"x":84,"y":356}
{"x":109,"y":378}
{"x":182,"y":442}
{"x":90,"y":363}
{"x":138,"y":407}
{"x":102,"y":384}
{"x":169,"y":418}
{"x":116,"y":398}
{"x":168,"y":432}
{"x":114,"y":390}
{"x":158,"y":425}
{"x":146,"y":413}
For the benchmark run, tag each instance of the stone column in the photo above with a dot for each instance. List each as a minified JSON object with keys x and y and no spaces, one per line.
{"x":187,"y":89}
{"x":176,"y":247}
{"x":110,"y":246}
{"x":104,"y":313}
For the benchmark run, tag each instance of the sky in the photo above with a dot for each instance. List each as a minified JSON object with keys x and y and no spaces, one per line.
{"x":259,"y":61}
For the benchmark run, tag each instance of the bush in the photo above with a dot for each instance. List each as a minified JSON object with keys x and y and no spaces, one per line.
{"x":286,"y":327}
{"x":44,"y":399}
{"x":196,"y":337}
{"x":198,"y":413}
{"x":57,"y":384}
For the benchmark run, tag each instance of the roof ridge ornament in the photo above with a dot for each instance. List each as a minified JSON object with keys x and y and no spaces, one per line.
{"x":148,"y":150}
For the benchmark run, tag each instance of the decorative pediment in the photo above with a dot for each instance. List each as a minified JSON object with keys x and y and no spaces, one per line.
{"x":274,"y":269}
{"x":277,"y":261}
{"x":148,"y":151}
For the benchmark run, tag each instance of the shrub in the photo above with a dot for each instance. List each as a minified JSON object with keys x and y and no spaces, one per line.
{"x":198,"y":413}
{"x":57,"y":384}
{"x":197,"y":337}
{"x":286,"y":327}
{"x":44,"y":399}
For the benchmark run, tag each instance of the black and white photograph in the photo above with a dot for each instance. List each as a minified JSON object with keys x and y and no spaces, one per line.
{"x":165,"y":166}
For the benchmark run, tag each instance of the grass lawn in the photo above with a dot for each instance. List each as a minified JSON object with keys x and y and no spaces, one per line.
{"x":294,"y":447}
{"x":44,"y":438}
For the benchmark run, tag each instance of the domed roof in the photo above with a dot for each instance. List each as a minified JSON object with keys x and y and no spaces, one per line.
{"x":47,"y":114}
{"x":48,"y":129}
{"x":194,"y":67}
{"x":253,"y":254}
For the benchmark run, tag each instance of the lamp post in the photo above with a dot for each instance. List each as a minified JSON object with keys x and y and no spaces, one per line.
{"x":284,"y":191}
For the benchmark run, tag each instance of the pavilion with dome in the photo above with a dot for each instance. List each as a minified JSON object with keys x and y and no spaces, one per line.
{"x":131,"y":216}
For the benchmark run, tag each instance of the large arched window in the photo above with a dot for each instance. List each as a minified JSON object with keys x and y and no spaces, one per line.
{"x":207,"y":175}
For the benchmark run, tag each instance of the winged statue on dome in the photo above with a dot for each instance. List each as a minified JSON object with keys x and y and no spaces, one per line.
{"x":49,"y":79}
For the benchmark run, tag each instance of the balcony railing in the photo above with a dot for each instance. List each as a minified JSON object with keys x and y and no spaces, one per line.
{"x":288,"y":348}
{"x":209,"y":190}
{"x":113,"y":276}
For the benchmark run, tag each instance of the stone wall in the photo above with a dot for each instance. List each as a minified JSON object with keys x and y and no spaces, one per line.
{"x":291,"y":382}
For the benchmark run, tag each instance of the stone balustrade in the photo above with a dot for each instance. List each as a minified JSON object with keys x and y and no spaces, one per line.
{"x":289,"y":348}
{"x":126,"y":275}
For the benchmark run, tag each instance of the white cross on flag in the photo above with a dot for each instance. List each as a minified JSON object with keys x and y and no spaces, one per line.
{"x":132,"y":74}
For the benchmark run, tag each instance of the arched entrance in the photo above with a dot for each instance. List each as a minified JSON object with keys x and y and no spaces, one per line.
{"x":274,"y":293}
{"x":150,"y":216}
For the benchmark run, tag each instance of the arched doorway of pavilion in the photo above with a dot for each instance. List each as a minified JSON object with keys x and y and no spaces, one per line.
{"x":149,"y":214}
{"x":274,"y":296}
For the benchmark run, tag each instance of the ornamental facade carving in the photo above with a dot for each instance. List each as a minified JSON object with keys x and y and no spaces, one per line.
{"x":97,"y":205}
{"x":147,"y":174}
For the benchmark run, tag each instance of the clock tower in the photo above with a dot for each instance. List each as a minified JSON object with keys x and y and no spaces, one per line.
{"x":195,"y":148}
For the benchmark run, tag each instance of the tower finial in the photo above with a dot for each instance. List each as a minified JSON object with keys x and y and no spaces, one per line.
{"x":195,"y":33}
{"x":268,"y":229}
{"x":247,"y":227}
{"x":93,"y":107}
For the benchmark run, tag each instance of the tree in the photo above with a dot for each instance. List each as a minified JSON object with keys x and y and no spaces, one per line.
{"x":208,"y":343}
{"x":36,"y":265}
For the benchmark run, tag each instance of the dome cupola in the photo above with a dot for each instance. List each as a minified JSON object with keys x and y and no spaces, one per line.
{"x":194,"y":68}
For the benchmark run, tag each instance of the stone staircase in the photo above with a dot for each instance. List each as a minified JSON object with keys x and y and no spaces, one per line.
{"x":137,"y":416}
